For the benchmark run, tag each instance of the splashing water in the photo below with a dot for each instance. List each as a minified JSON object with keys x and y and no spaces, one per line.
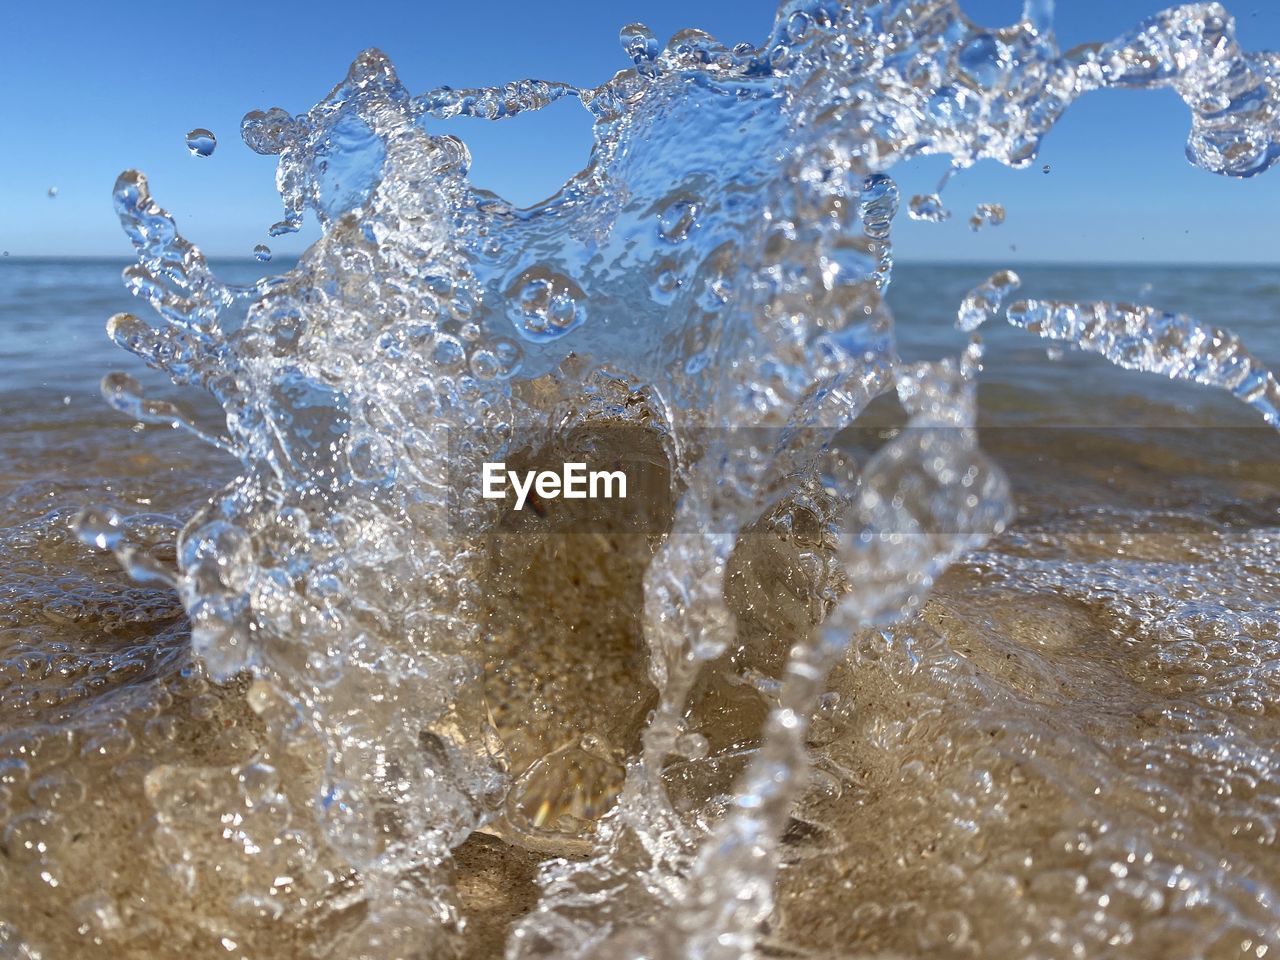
{"x":1144,"y":338}
{"x":709,"y":289}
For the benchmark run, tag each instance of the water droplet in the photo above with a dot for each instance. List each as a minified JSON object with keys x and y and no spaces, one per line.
{"x":53,"y":192}
{"x":281,"y":227}
{"x":99,"y":527}
{"x":928,"y":208}
{"x":666,"y":280}
{"x":879,"y":205}
{"x":984,"y":301}
{"x":484,"y":365}
{"x":449,"y":352}
{"x":987,"y":214}
{"x":201,"y":142}
{"x":1046,"y":168}
{"x":266,"y":132}
{"x":639,"y":43}
{"x":262,"y":252}
{"x":798,"y":26}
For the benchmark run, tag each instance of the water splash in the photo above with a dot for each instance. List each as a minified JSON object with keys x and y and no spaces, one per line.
{"x":1144,"y":338}
{"x":714,"y":280}
{"x":984,"y":301}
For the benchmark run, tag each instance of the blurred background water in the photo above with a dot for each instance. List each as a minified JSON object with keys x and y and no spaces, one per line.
{"x":57,"y":432}
{"x":53,"y":313}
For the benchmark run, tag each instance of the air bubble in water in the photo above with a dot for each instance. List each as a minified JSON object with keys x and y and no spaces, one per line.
{"x":677,"y":219}
{"x":878,"y":205}
{"x":201,"y":142}
{"x":561,"y":310}
{"x":692,"y":745}
{"x":545,"y":304}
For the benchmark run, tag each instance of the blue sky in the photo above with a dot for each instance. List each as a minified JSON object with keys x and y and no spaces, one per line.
{"x":95,"y":88}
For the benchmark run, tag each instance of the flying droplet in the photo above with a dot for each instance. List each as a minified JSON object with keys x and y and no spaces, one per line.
{"x":987,"y":214}
{"x":281,"y":227}
{"x":1046,"y":168}
{"x":928,"y":208}
{"x":262,"y":252}
{"x":201,"y":142}
{"x":984,"y":301}
{"x":53,"y":192}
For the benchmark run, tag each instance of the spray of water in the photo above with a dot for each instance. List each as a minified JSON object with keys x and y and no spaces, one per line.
{"x":712,"y":280}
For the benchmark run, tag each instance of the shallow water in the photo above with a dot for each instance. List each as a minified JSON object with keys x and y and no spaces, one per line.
{"x":864,"y":668}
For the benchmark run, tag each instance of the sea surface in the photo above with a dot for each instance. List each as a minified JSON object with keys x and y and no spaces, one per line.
{"x":55,"y":353}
